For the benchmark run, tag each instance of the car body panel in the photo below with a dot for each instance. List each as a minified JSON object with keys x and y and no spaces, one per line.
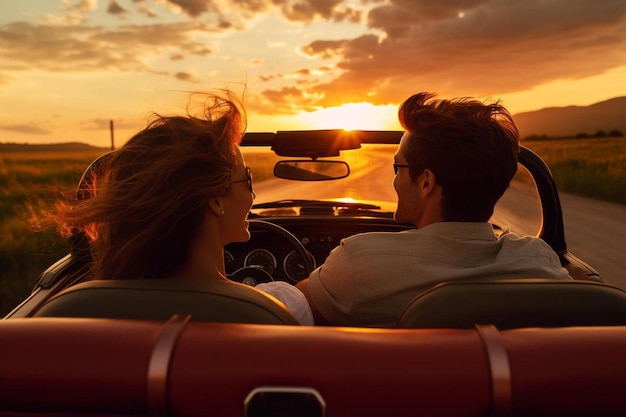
{"x":210,"y":368}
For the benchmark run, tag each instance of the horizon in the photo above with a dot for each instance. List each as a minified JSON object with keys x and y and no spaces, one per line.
{"x":70,"y":66}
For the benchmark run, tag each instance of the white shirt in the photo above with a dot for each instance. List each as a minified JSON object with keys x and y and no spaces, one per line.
{"x":370,"y":278}
{"x":293,"y":299}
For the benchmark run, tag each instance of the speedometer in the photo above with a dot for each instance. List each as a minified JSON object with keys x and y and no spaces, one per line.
{"x":261,"y":258}
{"x":294,"y":266}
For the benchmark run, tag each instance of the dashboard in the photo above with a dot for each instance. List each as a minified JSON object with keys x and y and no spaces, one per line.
{"x":319,"y":235}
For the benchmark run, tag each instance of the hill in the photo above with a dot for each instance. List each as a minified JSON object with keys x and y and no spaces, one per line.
{"x":49,"y":147}
{"x":571,"y":120}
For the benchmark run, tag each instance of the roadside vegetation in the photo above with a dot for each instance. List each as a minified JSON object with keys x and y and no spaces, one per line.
{"x":589,"y":167}
{"x":32,"y":181}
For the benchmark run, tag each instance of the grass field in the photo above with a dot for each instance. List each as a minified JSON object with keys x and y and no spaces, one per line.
{"x":593,"y":168}
{"x":27,"y":181}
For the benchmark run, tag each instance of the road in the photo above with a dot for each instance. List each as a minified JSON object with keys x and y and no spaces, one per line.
{"x":595,"y":231}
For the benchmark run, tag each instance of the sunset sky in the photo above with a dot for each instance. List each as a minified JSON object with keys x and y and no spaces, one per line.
{"x":67,"y":67}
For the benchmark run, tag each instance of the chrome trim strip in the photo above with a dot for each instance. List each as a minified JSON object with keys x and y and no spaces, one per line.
{"x":160,"y":363}
{"x":500,"y":369}
{"x":303,"y":391}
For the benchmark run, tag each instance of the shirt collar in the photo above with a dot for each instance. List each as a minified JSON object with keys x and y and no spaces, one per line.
{"x":461,"y":230}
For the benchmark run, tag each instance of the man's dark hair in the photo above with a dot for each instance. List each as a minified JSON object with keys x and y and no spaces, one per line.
{"x":471,"y":147}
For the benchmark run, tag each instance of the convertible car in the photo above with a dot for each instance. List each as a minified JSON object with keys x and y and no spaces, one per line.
{"x":525,"y":347}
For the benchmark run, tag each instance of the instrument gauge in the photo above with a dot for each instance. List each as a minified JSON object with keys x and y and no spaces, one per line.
{"x":294,"y":266}
{"x":261,"y":258}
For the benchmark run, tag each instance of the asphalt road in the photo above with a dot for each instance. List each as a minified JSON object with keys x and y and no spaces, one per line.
{"x":595,"y":231}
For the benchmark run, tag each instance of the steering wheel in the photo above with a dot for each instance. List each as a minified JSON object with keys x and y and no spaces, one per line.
{"x":253,"y":275}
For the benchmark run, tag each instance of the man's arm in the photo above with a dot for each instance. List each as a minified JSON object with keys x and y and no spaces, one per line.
{"x":317,"y":316}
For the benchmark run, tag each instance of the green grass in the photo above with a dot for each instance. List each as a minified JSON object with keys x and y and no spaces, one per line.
{"x":594,"y":168}
{"x":30,"y":181}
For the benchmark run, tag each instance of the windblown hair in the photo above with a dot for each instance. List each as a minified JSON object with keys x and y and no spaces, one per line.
{"x":146,"y":208}
{"x":471,"y":147}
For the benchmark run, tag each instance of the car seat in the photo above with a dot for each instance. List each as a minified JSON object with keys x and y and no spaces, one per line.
{"x":516,"y":303}
{"x":158,"y":299}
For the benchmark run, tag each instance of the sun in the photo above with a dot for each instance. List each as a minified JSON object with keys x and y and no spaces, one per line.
{"x":352,"y":116}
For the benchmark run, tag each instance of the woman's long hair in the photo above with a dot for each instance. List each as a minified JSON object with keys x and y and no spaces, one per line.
{"x":146,"y":209}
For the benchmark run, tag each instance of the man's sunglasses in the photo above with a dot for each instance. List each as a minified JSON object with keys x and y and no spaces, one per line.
{"x":248,"y":180}
{"x":396,"y":166}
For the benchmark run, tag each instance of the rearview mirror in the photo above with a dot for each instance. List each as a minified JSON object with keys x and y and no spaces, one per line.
{"x":304,"y":170}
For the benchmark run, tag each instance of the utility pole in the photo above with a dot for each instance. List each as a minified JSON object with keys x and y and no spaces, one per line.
{"x":112,"y":136}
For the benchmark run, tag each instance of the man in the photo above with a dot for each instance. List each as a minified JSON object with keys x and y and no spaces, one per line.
{"x":454,"y":162}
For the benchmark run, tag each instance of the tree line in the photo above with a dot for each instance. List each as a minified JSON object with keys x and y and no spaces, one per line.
{"x":615,"y":133}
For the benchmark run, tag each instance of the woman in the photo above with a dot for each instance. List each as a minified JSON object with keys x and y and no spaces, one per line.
{"x":171,"y":198}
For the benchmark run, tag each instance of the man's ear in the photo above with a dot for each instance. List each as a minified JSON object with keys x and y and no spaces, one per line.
{"x":428,"y":181}
{"x":217,"y":206}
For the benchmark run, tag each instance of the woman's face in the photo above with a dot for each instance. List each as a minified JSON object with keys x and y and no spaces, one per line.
{"x":236,"y":204}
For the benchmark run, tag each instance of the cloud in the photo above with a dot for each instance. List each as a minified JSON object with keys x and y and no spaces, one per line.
{"x":349,"y":14}
{"x":477,"y":48}
{"x":64,"y":41}
{"x":286,"y":100}
{"x":302,"y":11}
{"x":236,"y":9}
{"x":325,"y":49}
{"x":31,"y":129}
{"x":72,"y":18}
{"x":147,"y":11}
{"x":185,"y":76}
{"x":80,"y":5}
{"x":92,"y":48}
{"x":307,"y":10}
{"x":398,"y":18}
{"x":72,"y":13}
{"x":115,"y":9}
{"x":193,"y":8}
{"x":453,"y":47}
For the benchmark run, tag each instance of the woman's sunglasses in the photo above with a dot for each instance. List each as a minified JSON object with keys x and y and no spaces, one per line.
{"x":248,"y":180}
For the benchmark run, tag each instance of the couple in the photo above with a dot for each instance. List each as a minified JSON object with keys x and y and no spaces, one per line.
{"x":179,"y":190}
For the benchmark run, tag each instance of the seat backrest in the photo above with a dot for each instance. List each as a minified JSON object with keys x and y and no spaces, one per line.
{"x":516,"y":303}
{"x":159,"y":299}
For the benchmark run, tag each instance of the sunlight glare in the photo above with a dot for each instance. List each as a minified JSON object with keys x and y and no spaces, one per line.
{"x":352,"y":116}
